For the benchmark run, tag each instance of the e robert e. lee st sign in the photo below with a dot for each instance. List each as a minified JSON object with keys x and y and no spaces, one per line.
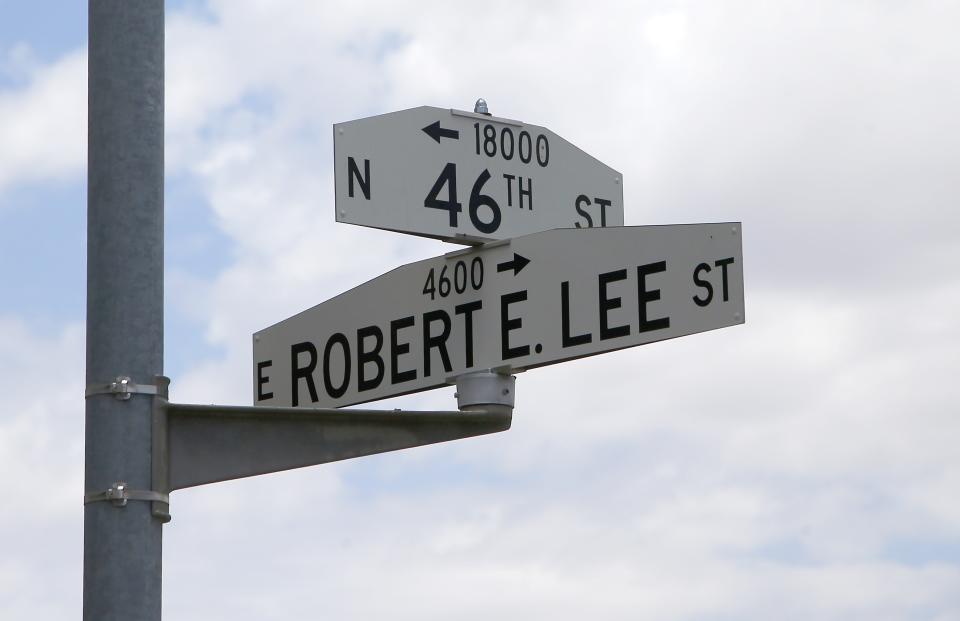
{"x":527,"y":302}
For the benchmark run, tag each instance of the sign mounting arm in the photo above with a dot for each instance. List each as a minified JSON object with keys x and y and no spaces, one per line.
{"x":200,"y":444}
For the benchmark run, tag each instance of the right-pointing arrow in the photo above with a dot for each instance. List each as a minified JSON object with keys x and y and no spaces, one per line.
{"x":516,"y":264}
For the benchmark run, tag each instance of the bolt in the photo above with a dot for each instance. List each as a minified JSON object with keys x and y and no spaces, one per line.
{"x":481,"y":107}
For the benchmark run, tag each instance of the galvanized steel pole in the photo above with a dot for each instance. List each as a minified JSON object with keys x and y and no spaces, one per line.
{"x":122,"y":540}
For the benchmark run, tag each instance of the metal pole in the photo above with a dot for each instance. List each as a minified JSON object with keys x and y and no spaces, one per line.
{"x":122,"y":540}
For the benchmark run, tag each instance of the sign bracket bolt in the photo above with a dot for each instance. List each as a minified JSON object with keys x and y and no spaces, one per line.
{"x":481,"y":107}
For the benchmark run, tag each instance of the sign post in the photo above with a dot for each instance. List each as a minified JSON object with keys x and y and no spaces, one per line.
{"x":122,"y":537}
{"x":507,"y":306}
{"x":468,"y":178}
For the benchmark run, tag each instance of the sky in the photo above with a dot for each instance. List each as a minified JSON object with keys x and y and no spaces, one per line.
{"x":803,"y":465}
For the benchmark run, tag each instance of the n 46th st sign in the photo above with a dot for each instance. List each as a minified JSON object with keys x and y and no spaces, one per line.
{"x":466,"y":177}
{"x":508,"y":306}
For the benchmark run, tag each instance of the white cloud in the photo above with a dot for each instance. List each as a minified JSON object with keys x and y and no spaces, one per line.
{"x":667,"y":33}
{"x":43,"y":125}
{"x":767,"y":470}
{"x":800,"y":466}
{"x":41,"y":456}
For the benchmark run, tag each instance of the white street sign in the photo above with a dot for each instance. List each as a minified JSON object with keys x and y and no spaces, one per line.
{"x":508,"y":306}
{"x":467,"y":177}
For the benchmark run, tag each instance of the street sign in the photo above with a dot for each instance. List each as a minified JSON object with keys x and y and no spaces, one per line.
{"x":507,"y":306}
{"x":466,"y":177}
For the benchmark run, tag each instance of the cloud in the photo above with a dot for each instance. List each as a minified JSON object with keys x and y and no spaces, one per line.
{"x":800,"y":466}
{"x":41,"y":455}
{"x":771,"y":467}
{"x":43,"y":124}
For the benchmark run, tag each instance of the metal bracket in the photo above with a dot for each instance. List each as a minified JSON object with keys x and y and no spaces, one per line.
{"x":119,"y":494}
{"x":485,"y":388}
{"x":486,"y":243}
{"x":200,"y":444}
{"x":486,"y":117}
{"x":123,"y":388}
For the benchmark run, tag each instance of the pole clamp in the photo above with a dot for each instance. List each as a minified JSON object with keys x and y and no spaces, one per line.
{"x":122,"y":388}
{"x":119,"y":494}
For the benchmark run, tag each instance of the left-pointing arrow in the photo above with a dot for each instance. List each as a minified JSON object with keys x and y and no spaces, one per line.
{"x":436,"y":132}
